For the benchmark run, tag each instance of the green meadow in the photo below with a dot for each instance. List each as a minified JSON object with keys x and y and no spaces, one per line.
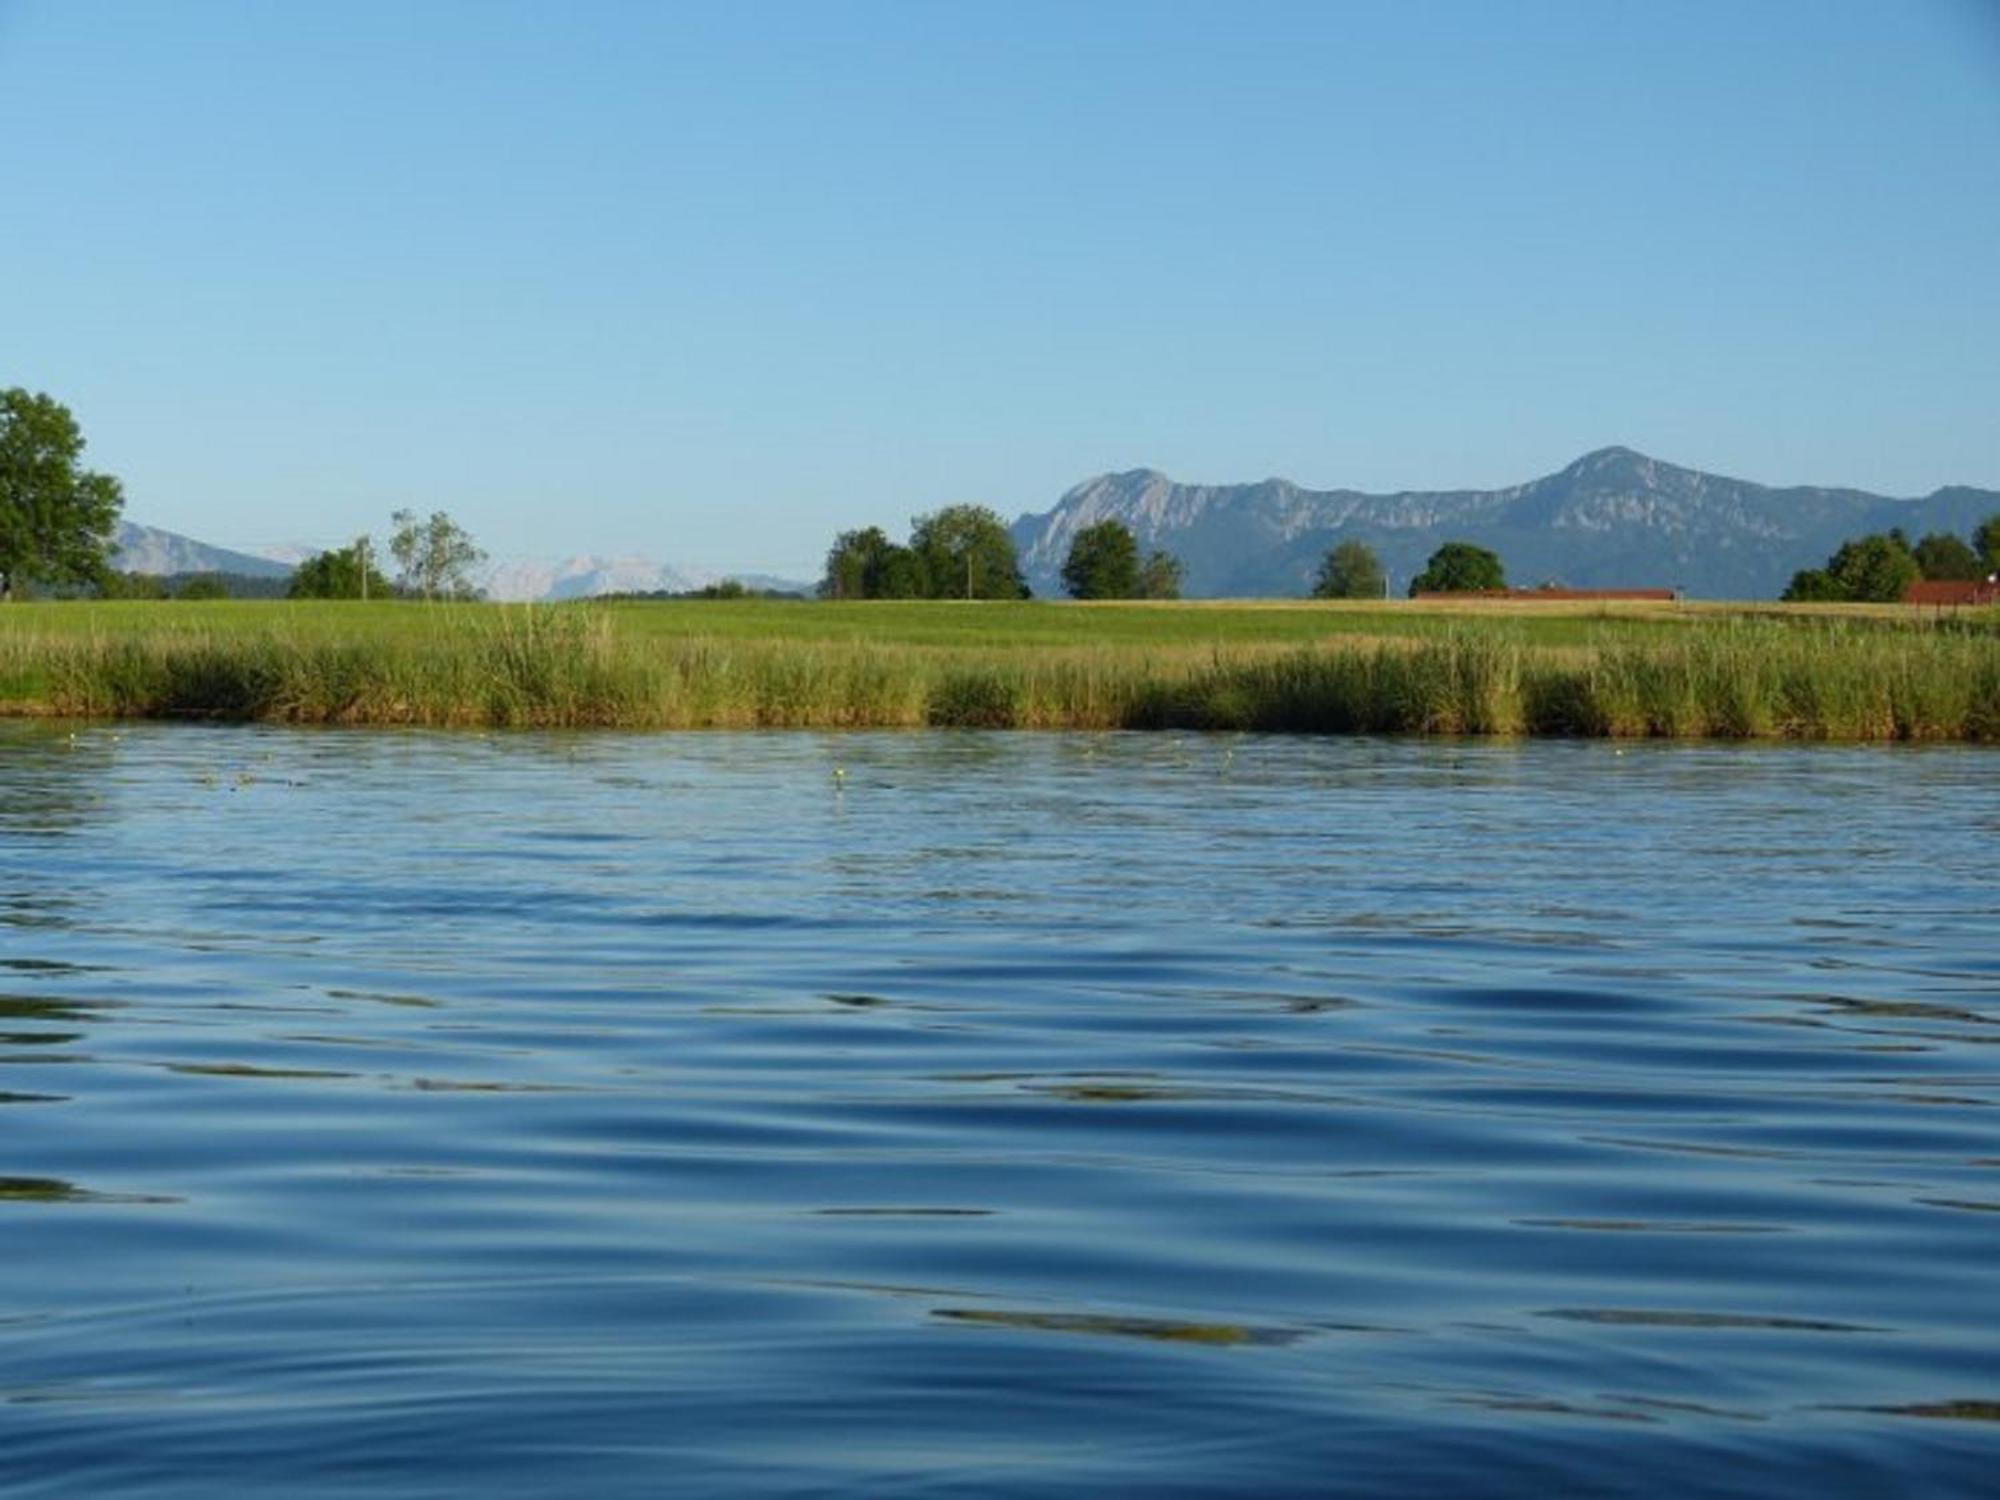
{"x":1695,"y":670}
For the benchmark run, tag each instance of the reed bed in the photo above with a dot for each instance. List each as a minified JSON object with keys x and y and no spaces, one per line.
{"x":1726,"y":677}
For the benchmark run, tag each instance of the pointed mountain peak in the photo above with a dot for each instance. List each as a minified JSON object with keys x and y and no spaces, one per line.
{"x":1625,"y":468}
{"x":1617,"y":456}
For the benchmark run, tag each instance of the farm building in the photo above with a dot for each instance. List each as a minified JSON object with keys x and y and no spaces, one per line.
{"x":1947,"y":593}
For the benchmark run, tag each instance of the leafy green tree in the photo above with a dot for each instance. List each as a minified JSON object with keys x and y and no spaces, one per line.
{"x":865,"y":564}
{"x":56,"y":519}
{"x":1873,"y":569}
{"x":1877,"y":568}
{"x":1942,"y":555}
{"x":1350,"y":571}
{"x":846,"y":575}
{"x":1160,"y":576}
{"x":1813,"y":586}
{"x":345,"y":573}
{"x":1459,"y":568}
{"x":1986,"y":542}
{"x":203,"y":586}
{"x":965,"y":552}
{"x":899,"y":574}
{"x":1103,"y":562}
{"x":436,"y":556}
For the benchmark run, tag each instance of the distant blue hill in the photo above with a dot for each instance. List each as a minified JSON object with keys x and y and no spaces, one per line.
{"x":147,"y":549}
{"x":1614,"y":518}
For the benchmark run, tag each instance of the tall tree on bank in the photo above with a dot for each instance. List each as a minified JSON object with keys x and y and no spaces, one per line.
{"x":1350,"y":571}
{"x":436,"y":556}
{"x":1103,"y":562}
{"x":56,"y":519}
{"x":1460,"y":568}
{"x":965,"y":552}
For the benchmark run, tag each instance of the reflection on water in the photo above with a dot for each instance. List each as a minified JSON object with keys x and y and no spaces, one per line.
{"x":1008,"y":1114}
{"x":55,"y":1190}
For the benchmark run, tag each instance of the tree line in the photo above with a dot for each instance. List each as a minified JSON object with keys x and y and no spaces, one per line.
{"x":58,"y":521}
{"x":966,"y":552}
{"x":1879,"y":568}
{"x":434,"y":557}
{"x":959,"y":552}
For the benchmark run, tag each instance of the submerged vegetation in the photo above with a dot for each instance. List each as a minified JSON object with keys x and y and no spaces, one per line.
{"x":1386,"y":670}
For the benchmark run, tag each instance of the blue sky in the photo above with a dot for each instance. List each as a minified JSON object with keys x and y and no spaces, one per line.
{"x":711,"y":282}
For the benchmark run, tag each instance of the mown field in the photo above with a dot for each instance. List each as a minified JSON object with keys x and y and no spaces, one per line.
{"x":1693,"y":670}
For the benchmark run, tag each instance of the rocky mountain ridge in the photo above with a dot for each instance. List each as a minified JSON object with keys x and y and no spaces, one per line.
{"x":1613,"y":518}
{"x":149,"y":549}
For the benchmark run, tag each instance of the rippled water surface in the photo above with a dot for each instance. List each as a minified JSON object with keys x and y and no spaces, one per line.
{"x":926,"y":1114}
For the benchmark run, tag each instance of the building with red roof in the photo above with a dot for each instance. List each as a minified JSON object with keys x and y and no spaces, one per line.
{"x":1952,"y":593}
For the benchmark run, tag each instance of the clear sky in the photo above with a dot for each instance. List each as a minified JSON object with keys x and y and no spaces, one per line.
{"x":709,"y":282}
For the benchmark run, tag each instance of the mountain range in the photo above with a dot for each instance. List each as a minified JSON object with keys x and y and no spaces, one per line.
{"x":148,"y":549}
{"x":1612,"y":519}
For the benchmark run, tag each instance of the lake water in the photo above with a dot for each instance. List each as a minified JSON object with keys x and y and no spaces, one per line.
{"x":931,"y":1114}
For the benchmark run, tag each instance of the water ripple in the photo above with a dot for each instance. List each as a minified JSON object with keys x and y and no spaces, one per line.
{"x":1026,"y":1115}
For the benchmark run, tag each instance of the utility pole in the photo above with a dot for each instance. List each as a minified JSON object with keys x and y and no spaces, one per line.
{"x":361,"y":559}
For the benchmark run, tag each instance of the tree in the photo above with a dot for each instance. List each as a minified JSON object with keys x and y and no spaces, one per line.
{"x":435,"y":556}
{"x":1103,"y":562}
{"x":1813,"y":586}
{"x":847,"y":560}
{"x":1160,"y":576}
{"x":56,"y":520}
{"x":865,"y":564}
{"x":1351,"y":571}
{"x":1986,"y":542}
{"x":345,"y":573}
{"x":1459,"y":568}
{"x":1873,"y":569}
{"x":1877,"y":568}
{"x":964,"y":552}
{"x":960,"y":552}
{"x":1942,"y":555}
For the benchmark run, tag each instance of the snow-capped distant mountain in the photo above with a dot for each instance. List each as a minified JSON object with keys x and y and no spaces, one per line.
{"x":523,"y":578}
{"x":148,"y":549}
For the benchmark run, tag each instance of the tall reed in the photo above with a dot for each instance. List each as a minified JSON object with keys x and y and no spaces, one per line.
{"x":567,"y":666}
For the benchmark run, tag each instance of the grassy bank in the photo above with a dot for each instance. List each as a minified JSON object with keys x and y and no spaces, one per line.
{"x":1381,"y":669}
